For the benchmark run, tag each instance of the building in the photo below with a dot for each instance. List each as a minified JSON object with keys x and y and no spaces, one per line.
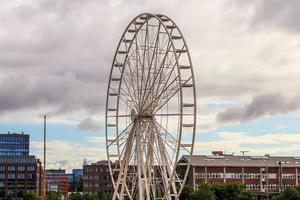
{"x":264,"y":175}
{"x":19,"y":171}
{"x":96,"y":178}
{"x":57,"y":181}
{"x":13,"y":144}
{"x":78,"y":173}
{"x":19,"y":174}
{"x":75,"y":180}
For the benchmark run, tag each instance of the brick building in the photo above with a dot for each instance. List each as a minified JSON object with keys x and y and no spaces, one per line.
{"x":19,"y":171}
{"x":96,"y":178}
{"x":57,"y":181}
{"x":19,"y":174}
{"x":264,"y":175}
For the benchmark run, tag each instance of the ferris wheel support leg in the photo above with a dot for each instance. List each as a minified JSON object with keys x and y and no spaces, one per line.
{"x":138,"y":155}
{"x":149,"y":161}
{"x":124,"y":166}
{"x":143,"y":181}
{"x":169,"y":173}
{"x":164,"y":171}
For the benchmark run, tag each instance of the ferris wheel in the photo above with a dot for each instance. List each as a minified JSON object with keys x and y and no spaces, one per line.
{"x":150,"y":110}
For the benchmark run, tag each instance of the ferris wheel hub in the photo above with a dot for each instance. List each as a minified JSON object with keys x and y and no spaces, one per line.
{"x":140,"y":116}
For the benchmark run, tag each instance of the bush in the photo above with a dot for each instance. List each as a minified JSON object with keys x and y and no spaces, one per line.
{"x":203,"y":192}
{"x":288,"y":194}
{"x":51,"y":196}
{"x":218,"y":191}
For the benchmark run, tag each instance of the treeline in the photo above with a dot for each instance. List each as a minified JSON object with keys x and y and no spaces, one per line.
{"x":289,"y":194}
{"x":218,"y":191}
{"x":54,"y":196}
{"x":231,"y":191}
{"x":93,"y":196}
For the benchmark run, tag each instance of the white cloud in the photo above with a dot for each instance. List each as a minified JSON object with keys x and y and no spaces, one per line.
{"x":273,"y":143}
{"x":68,"y":155}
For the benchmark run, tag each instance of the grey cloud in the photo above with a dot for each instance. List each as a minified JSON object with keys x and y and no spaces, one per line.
{"x":261,"y":105}
{"x":57,"y":54}
{"x":277,"y":14}
{"x":64,"y":94}
{"x":90,"y":124}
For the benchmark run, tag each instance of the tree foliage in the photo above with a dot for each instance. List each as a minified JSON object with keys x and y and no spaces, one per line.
{"x":203,"y":192}
{"x":289,"y":194}
{"x":89,"y":196}
{"x":51,"y":196}
{"x":218,"y":191}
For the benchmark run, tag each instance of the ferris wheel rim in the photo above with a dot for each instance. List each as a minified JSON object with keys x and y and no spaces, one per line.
{"x":110,"y":77}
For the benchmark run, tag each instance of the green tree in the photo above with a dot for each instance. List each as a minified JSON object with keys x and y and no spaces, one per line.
{"x":203,"y":192}
{"x":76,"y":196}
{"x":51,"y":196}
{"x":186,"y":193}
{"x":288,"y":194}
{"x":246,"y":195}
{"x":220,"y":191}
{"x":10,"y":197}
{"x":232,"y":191}
{"x":103,"y":196}
{"x":92,"y":196}
{"x":30,"y":196}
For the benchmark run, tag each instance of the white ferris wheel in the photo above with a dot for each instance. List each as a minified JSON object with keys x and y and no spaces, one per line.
{"x":150,"y":110}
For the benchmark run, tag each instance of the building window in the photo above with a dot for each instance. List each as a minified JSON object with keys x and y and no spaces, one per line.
{"x":288,"y":176}
{"x":234,"y":175}
{"x":251,"y":176}
{"x":30,"y":176}
{"x":11,"y":168}
{"x":11,"y":176}
{"x":21,"y":176}
{"x":272,"y":176}
{"x":21,"y":168}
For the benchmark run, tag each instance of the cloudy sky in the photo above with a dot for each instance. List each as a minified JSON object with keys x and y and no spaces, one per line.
{"x":55,"y":57}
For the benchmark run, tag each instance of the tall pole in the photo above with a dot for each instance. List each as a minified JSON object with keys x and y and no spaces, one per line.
{"x":44,"y":179}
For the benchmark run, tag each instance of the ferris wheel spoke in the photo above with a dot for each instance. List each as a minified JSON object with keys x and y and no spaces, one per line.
{"x":130,"y":77}
{"x":157,"y":76}
{"x":140,"y":82}
{"x":170,"y":136}
{"x":159,"y":96}
{"x":126,"y":95}
{"x":167,"y":136}
{"x":158,"y":107}
{"x":165,"y":86}
{"x":126,"y":101}
{"x":168,"y":76}
{"x":117,"y":138}
{"x":159,"y":71}
{"x":151,"y":64}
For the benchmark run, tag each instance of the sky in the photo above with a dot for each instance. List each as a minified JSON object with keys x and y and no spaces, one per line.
{"x":55,"y":58}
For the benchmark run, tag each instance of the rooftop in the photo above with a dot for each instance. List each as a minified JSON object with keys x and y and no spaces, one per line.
{"x":252,"y":161}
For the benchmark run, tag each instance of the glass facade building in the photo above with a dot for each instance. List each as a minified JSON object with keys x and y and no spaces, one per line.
{"x":14,"y":144}
{"x":19,"y":171}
